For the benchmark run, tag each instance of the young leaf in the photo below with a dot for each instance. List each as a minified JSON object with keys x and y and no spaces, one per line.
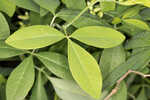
{"x":33,"y":37}
{"x":50,"y":5}
{"x":20,"y":80}
{"x":4,"y":28}
{"x":7,"y":51}
{"x":111,"y":58}
{"x":135,"y":62}
{"x":7,"y":7}
{"x":84,"y":69}
{"x":38,"y":92}
{"x":75,"y":4}
{"x":107,"y":5}
{"x":56,"y":63}
{"x":27,"y":4}
{"x":69,"y":90}
{"x":98,"y":36}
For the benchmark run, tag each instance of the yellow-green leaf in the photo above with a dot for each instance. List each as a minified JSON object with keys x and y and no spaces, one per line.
{"x":33,"y":37}
{"x":137,"y":23}
{"x":99,"y":36}
{"x":84,"y":69}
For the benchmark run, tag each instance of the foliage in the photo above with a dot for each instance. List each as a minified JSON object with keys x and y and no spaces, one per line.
{"x":74,"y":49}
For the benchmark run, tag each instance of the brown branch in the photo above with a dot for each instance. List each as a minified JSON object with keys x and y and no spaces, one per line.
{"x":114,"y":91}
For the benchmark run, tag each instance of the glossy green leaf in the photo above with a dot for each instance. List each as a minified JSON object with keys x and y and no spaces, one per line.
{"x":85,"y":20}
{"x":111,"y":58}
{"x":98,"y":36}
{"x":7,"y":7}
{"x":139,"y":40}
{"x":107,"y":5}
{"x":33,"y":37}
{"x":69,"y":90}
{"x":135,"y":62}
{"x":39,"y":92}
{"x":75,"y":4}
{"x":50,"y":5}
{"x":121,"y":93}
{"x":20,"y":80}
{"x":84,"y":68}
{"x":4,"y":28}
{"x":7,"y":51}
{"x":27,"y":4}
{"x":56,"y":63}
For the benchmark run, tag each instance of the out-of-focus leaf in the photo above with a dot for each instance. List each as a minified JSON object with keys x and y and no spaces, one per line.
{"x":50,"y":5}
{"x":145,"y":14}
{"x":135,"y":62}
{"x":139,"y":40}
{"x":121,"y":93}
{"x":142,"y":95}
{"x":107,"y":5}
{"x":5,"y":71}
{"x":38,"y":92}
{"x":7,"y":7}
{"x":4,"y":28}
{"x":85,"y":20}
{"x":27,"y":4}
{"x":20,"y":80}
{"x":111,"y":58}
{"x":75,"y":4}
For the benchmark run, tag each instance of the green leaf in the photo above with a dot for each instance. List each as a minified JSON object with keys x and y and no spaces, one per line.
{"x":20,"y":80}
{"x":38,"y":92}
{"x":137,"y":23}
{"x":131,"y":12}
{"x":133,"y":26}
{"x":7,"y":7}
{"x":2,"y":87}
{"x":84,"y":68}
{"x":111,"y":58}
{"x":85,"y":20}
{"x":145,"y":14}
{"x":75,"y":4}
{"x":98,"y":36}
{"x":135,"y":62}
{"x":5,"y":71}
{"x":139,"y":40}
{"x":27,"y":4}
{"x":33,"y":37}
{"x":107,"y":5}
{"x":142,"y":95}
{"x":50,"y":5}
{"x":7,"y":51}
{"x":121,"y":93}
{"x":4,"y":28}
{"x":56,"y":63}
{"x":69,"y":90}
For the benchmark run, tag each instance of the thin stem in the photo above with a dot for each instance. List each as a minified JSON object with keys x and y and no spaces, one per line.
{"x":114,"y":91}
{"x":80,"y":14}
{"x":53,"y":20}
